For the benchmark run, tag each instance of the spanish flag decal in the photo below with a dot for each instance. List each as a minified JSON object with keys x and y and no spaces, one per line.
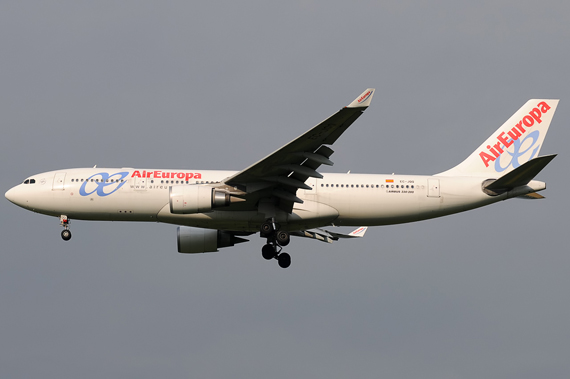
{"x":389,"y":180}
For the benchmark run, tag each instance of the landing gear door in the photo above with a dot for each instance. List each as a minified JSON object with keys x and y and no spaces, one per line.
{"x":58,"y":181}
{"x":433,"y":188}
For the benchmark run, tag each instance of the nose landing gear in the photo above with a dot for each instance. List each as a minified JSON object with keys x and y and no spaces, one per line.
{"x":275,"y":240}
{"x":65,"y":233}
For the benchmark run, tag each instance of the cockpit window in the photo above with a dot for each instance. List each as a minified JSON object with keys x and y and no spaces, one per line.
{"x":32,"y":181}
{"x":29,"y":181}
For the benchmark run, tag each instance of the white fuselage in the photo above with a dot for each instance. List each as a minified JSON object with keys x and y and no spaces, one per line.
{"x":341,"y":199}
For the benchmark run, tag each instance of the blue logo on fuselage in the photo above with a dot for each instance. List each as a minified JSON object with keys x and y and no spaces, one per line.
{"x":103,"y":183}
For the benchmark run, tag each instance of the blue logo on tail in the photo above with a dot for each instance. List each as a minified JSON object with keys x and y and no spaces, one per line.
{"x":517,"y":153}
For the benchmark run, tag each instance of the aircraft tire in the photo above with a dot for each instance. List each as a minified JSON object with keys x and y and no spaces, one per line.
{"x":268,"y":251}
{"x":66,"y":234}
{"x":284,"y":260}
{"x":267,"y":228}
{"x":283,"y":238}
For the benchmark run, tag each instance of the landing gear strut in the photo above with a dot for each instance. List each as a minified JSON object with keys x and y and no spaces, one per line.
{"x":65,"y":233}
{"x":275,"y":240}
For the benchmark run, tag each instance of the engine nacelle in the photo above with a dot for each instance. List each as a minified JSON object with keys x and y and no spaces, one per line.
{"x":198,"y":240}
{"x":188,"y":199}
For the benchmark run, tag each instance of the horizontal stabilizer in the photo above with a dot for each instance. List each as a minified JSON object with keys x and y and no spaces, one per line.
{"x":531,"y":196}
{"x":521,"y":175}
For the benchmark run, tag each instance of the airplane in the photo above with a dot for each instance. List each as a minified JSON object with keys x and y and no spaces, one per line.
{"x":284,"y":194}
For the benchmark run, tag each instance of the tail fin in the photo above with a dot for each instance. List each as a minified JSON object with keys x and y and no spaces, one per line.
{"x":517,"y":141}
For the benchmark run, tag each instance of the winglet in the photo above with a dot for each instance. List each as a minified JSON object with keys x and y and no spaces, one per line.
{"x":358,"y":232}
{"x":363,"y":100}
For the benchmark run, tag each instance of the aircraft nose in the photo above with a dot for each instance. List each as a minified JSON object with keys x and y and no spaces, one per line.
{"x":10,"y":194}
{"x":13,"y":195}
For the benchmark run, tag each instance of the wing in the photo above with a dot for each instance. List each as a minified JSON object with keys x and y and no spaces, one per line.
{"x":328,"y":236}
{"x":279,"y":175}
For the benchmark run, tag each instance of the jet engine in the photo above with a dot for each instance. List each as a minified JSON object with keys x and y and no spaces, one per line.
{"x":198,"y":240}
{"x":196,"y":199}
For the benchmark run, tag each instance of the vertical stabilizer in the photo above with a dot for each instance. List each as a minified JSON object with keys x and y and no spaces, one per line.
{"x":516,"y":142}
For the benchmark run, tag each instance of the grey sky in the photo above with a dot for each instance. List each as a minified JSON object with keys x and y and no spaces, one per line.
{"x":210,"y":85}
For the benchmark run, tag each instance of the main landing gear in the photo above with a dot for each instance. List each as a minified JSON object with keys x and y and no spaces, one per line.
{"x":65,"y":233}
{"x":275,"y":240}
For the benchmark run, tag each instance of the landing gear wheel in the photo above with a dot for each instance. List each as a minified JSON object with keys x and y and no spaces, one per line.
{"x":282,"y":237}
{"x":267,"y":228}
{"x":268,"y":251}
{"x":284,"y":260}
{"x":66,"y":235}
